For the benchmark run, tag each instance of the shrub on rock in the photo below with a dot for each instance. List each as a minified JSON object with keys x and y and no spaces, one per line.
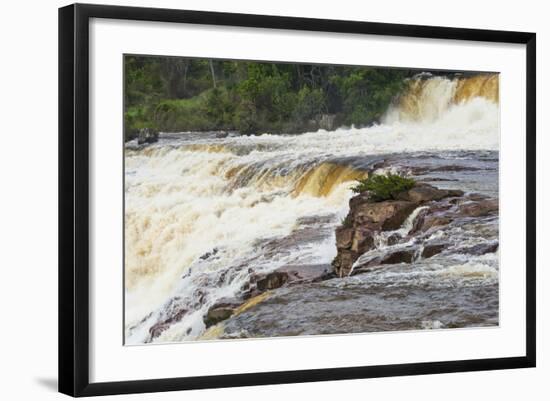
{"x":384,"y":187}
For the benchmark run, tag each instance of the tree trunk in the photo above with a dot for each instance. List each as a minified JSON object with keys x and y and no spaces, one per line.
{"x":213,"y":72}
{"x":185,"y":78}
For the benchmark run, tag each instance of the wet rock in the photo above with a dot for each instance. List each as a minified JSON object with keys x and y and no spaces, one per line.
{"x":478,"y":209}
{"x":366,"y":266}
{"x":358,"y":200}
{"x":454,"y":167}
{"x":403,"y":256}
{"x":469,"y":197}
{"x":222,"y":310}
{"x":286,"y":275}
{"x":393,"y":239}
{"x":384,"y":216}
{"x":435,"y":221}
{"x":454,"y":193}
{"x":418,"y":222}
{"x":306,"y":273}
{"x":432,"y":250}
{"x":363,"y":240}
{"x":157,"y":329}
{"x":247,"y":290}
{"x":147,"y":135}
{"x":441,"y":207}
{"x":421,"y":170}
{"x":480,"y":249}
{"x":327,"y":122}
{"x":344,"y":237}
{"x":367,"y":218}
{"x":361,"y":270}
{"x":476,"y":197}
{"x":302,"y":235}
{"x":272,"y":280}
{"x":209,"y":254}
{"x":343,"y":262}
{"x":215,"y":316}
{"x":437,"y":179}
{"x":396,"y":257}
{"x":425,"y":193}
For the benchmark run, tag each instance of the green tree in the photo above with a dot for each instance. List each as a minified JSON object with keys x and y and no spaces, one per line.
{"x":181,"y":94}
{"x":367,"y":93}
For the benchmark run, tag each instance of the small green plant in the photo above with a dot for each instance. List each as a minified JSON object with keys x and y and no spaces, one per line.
{"x":383,"y":187}
{"x":347,"y":221}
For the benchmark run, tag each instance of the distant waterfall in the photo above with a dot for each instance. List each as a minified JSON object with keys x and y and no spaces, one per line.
{"x":429,"y":99}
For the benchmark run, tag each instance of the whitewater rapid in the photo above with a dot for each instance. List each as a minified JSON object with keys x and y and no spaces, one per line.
{"x":200,"y":207}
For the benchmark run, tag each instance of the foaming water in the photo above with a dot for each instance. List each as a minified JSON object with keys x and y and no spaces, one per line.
{"x":203,"y":213}
{"x":430,"y":99}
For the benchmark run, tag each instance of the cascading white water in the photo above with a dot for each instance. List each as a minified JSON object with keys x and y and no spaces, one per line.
{"x":192,"y":195}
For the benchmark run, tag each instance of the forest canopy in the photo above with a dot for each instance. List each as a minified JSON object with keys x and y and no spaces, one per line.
{"x":172,"y":94}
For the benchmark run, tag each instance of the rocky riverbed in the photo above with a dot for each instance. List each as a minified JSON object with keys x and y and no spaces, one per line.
{"x":427,"y":259}
{"x":375,"y":237}
{"x":230,"y":237}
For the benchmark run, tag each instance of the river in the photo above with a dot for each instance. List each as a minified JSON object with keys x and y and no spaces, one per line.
{"x":206,"y":211}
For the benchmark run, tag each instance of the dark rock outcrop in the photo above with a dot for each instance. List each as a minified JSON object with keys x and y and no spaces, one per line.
{"x":480,"y":249}
{"x":299,"y":274}
{"x":425,"y":193}
{"x":262,"y":283}
{"x":422,"y":170}
{"x":418,"y":222}
{"x":402,"y":256}
{"x":434,"y":221}
{"x":272,"y":280}
{"x":432,"y":250}
{"x":363,"y":240}
{"x":147,"y":135}
{"x":221,"y":310}
{"x":209,"y":254}
{"x":393,"y":239}
{"x":327,"y":121}
{"x":344,"y":237}
{"x":344,"y":261}
{"x":382,"y":216}
{"x":288,"y":275}
{"x":406,"y":255}
{"x":157,"y":329}
{"x":367,"y":218}
{"x":478,"y":209}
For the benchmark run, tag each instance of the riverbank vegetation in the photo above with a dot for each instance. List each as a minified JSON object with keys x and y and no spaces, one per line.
{"x":383,"y":187}
{"x":183,"y":94}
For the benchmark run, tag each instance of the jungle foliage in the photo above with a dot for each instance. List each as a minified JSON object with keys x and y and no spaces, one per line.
{"x":184,"y":94}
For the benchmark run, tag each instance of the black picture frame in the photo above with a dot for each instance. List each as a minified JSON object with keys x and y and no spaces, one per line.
{"x":74,"y":198}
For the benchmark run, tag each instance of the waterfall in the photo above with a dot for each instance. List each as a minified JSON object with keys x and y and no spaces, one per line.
{"x":199,"y":209}
{"x":427,"y":100}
